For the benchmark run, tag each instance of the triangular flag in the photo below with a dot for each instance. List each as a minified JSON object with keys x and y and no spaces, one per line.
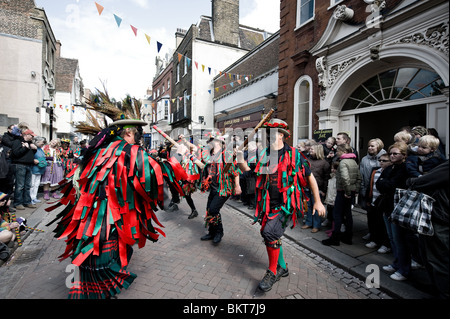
{"x":173,"y":100}
{"x":209,"y":69}
{"x":217,"y":89}
{"x":118,"y":20}
{"x":209,"y":91}
{"x":188,"y":62}
{"x":224,"y":87}
{"x":179,"y":57}
{"x":99,"y":8}
{"x":196,"y":65}
{"x":159,"y":45}
{"x":203,"y":68}
{"x":134,"y":30}
{"x":232,"y":84}
{"x":148,"y":38}
{"x":188,"y":97}
{"x":239,"y":81}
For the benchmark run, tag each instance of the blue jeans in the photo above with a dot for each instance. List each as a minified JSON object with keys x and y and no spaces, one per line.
{"x":23,"y":185}
{"x":404,"y":245}
{"x":312,"y":220}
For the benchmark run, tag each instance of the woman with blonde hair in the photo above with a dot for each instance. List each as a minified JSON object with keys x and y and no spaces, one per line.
{"x":374,"y":151}
{"x":321,"y":171}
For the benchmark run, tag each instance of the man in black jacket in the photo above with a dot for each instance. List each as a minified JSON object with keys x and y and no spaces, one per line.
{"x":435,"y":249}
{"x":22,"y":155}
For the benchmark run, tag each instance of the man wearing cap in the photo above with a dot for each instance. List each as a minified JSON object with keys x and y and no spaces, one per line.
{"x":22,"y":156}
{"x":221,"y":186}
{"x":111,"y":201}
{"x":280,"y":179}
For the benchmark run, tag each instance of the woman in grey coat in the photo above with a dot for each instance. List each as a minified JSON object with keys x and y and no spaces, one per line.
{"x":368,"y":163}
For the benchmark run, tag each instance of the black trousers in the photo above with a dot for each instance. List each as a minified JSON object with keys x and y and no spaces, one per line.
{"x":213,"y":207}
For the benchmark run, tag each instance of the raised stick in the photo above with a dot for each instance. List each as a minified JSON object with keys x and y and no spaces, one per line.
{"x":167,"y":137}
{"x":250,"y":137}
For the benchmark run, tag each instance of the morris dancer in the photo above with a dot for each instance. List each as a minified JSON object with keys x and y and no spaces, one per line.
{"x":220,"y":185}
{"x":280,"y":196}
{"x":110,"y":199}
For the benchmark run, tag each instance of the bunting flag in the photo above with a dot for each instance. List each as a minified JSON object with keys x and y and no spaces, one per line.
{"x":148,"y":38}
{"x":99,"y":8}
{"x":233,"y":77}
{"x":118,"y":20}
{"x":134,"y":30}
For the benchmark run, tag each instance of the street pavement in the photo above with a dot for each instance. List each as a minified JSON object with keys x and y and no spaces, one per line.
{"x":181,"y":266}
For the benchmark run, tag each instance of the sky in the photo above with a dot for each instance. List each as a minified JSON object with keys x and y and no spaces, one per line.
{"x":114,"y":55}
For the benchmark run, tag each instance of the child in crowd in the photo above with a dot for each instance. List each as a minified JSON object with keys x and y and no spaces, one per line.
{"x":427,"y":157}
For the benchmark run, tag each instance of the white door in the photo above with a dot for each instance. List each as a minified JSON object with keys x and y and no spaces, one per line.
{"x":349,"y":125}
{"x":437,"y":117}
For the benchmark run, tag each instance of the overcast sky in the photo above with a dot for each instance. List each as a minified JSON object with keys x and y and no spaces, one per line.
{"x":114,"y":55}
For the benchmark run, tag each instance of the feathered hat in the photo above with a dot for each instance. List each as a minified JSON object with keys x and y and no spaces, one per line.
{"x":124,"y":113}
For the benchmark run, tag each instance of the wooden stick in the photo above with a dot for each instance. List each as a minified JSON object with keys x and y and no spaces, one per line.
{"x":167,"y":137}
{"x":250,"y":137}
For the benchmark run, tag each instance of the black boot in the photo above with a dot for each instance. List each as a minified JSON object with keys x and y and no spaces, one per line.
{"x":193,"y":214}
{"x":267,"y":282}
{"x":208,"y":236}
{"x":332,"y":241}
{"x":281,"y":272}
{"x":217,"y":238}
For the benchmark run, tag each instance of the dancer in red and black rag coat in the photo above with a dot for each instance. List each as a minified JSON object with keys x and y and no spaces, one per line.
{"x":280,"y":196}
{"x":221,"y":185}
{"x":110,"y":199}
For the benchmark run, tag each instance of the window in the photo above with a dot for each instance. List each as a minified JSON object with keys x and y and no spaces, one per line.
{"x":168,"y":84}
{"x":178,"y":72}
{"x":185,"y":65}
{"x":166,"y":109}
{"x":185,"y":102}
{"x":403,"y":84}
{"x":305,"y":11}
{"x":302,"y":109}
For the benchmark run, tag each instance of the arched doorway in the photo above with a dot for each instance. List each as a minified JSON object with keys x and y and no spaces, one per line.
{"x":391,"y":100}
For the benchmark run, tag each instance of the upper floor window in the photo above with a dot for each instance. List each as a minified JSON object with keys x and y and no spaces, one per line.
{"x":178,"y":72}
{"x":305,"y":11}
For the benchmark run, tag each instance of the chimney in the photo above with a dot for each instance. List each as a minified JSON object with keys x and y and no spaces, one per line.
{"x":225,"y":19}
{"x":179,"y":36}
{"x":58,"y":49}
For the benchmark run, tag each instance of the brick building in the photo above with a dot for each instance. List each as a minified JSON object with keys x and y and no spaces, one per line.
{"x":162,"y":96}
{"x":27,"y":65}
{"x":241,"y":101}
{"x":365,"y":67}
{"x":205,"y":49}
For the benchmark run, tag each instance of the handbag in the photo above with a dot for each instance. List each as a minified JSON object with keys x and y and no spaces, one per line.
{"x":412,"y":210}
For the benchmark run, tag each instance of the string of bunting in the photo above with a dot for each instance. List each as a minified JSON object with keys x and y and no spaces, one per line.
{"x":235,"y":78}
